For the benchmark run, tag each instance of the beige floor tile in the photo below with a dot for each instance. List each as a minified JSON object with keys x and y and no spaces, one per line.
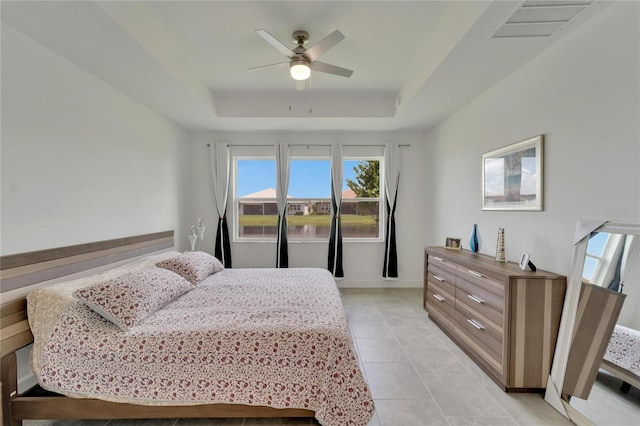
{"x":462,"y":395}
{"x":528,"y":409}
{"x":607,"y":405}
{"x":415,"y":335}
{"x":394,"y":381}
{"x":434,"y":360}
{"x":380,"y":350}
{"x":481,"y":421}
{"x":409,"y":413}
{"x":363,"y":329}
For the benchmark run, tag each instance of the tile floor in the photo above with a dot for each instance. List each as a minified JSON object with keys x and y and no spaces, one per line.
{"x":416,"y":374}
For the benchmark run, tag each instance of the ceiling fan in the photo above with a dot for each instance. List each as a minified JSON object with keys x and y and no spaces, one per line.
{"x":303,"y":60}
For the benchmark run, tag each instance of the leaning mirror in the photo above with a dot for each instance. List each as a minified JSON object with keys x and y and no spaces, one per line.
{"x":595,"y":376}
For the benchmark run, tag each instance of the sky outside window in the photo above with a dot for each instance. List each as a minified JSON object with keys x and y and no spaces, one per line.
{"x":307,"y":178}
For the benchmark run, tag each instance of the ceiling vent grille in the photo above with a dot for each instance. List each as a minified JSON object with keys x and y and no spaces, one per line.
{"x":536,"y":18}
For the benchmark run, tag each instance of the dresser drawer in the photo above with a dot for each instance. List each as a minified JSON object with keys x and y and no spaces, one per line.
{"x":481,"y":337}
{"x":441,"y":285}
{"x":441,"y":309}
{"x":441,"y":298}
{"x":481,"y":301}
{"x":438,"y":264}
{"x":481,"y":281}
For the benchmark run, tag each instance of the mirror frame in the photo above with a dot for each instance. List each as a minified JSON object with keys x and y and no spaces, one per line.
{"x":553,"y":394}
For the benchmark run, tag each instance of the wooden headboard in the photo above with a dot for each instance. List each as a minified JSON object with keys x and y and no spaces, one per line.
{"x":23,"y":270}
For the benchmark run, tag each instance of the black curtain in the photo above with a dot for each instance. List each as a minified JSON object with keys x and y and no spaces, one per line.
{"x":390,"y":267}
{"x":335,"y":239}
{"x":282,"y":255}
{"x":223,"y":243}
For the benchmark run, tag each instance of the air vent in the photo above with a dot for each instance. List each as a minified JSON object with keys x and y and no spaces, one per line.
{"x":536,"y":18}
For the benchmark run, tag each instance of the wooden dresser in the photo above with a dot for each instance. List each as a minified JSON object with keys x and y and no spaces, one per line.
{"x":505,"y":318}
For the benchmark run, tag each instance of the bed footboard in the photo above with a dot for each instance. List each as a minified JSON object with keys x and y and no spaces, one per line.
{"x":16,"y":408}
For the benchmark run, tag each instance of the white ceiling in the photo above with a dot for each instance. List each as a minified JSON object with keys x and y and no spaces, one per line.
{"x":414,"y":62}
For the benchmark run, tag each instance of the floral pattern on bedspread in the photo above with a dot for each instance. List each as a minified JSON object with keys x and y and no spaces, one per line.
{"x":624,"y":349}
{"x":274,"y":337}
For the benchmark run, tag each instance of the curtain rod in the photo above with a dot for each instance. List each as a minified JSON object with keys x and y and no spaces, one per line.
{"x":310,"y":145}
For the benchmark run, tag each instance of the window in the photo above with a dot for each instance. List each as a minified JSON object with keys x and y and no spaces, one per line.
{"x":361,"y":206}
{"x":308,"y":198}
{"x":255,"y":198}
{"x":600,"y":251}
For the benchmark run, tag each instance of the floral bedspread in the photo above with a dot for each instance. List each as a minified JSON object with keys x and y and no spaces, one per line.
{"x":272,"y":337}
{"x":624,"y":349}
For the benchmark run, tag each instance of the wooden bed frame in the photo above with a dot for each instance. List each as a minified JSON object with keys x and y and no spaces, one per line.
{"x":21,"y":271}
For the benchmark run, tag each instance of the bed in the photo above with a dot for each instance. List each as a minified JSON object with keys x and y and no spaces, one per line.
{"x":237,"y":343}
{"x":622,"y":358}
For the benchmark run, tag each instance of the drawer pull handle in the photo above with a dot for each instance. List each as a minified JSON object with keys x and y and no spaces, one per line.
{"x":438,"y":278}
{"x":475,"y":298}
{"x":475,"y":324}
{"x":477,"y":274}
{"x":438,"y":258}
{"x":440,"y":298}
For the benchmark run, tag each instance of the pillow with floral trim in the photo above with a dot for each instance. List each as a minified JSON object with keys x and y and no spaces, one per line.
{"x":194,"y":266}
{"x":130,"y":298}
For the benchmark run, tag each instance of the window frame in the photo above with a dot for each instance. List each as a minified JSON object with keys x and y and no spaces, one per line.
{"x":382,"y":212}
{"x":236,"y":200}
{"x":603,"y":260}
{"x":296,"y":240}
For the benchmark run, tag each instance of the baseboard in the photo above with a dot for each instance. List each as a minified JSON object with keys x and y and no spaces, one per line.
{"x":382,"y":283}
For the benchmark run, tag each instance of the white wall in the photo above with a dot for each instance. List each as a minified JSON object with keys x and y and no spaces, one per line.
{"x":81,"y":161}
{"x":362,"y":261}
{"x":583,"y":95}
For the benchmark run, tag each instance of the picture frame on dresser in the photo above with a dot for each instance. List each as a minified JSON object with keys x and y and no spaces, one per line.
{"x":512,"y":176}
{"x":453,"y":243}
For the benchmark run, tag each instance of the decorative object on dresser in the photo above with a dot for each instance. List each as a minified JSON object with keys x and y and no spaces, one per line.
{"x":474,"y":240}
{"x":453,"y":243}
{"x":526,"y":263}
{"x":500,"y":255}
{"x":504,"y":318}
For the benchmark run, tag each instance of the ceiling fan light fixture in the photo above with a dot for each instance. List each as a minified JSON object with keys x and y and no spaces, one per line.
{"x":300,"y":69}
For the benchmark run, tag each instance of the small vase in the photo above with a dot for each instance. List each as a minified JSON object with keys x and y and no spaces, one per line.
{"x":500,"y":256}
{"x":474,"y":240}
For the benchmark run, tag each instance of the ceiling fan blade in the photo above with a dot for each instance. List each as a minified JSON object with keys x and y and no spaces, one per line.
{"x":282,"y":48}
{"x":323,"y":45}
{"x":301,"y":84}
{"x":330,"y":69}
{"x":265,"y":66}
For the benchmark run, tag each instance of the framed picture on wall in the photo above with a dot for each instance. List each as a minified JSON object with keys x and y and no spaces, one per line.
{"x":512,"y":177}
